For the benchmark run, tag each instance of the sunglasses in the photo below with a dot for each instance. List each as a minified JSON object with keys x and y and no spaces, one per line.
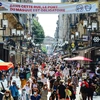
{"x":7,"y":92}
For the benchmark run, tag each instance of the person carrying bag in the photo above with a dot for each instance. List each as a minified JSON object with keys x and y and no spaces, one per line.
{"x":68,"y":93}
{"x":14,"y":91}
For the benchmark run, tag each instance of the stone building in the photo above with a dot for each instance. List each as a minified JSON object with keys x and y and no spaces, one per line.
{"x":18,"y":22}
{"x":70,"y":24}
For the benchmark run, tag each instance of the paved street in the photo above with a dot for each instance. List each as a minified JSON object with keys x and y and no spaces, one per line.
{"x":18,"y":82}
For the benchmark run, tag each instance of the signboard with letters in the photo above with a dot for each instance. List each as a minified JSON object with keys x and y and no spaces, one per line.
{"x":48,"y":8}
{"x":96,"y":40}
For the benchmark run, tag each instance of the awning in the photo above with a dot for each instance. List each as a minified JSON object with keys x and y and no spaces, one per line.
{"x":84,"y":50}
{"x":6,"y":65}
{"x":78,"y":58}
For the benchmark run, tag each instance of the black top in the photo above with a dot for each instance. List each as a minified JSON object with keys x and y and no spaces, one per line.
{"x":61,"y":89}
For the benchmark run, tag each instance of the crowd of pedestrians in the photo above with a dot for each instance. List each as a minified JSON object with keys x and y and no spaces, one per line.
{"x":52,"y":75}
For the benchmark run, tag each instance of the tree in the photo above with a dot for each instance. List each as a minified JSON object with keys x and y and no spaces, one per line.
{"x":38,"y":32}
{"x":43,"y":48}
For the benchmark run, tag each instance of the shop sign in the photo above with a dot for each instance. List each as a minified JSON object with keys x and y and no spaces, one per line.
{"x":48,"y":8}
{"x":96,"y":40}
{"x":85,"y":38}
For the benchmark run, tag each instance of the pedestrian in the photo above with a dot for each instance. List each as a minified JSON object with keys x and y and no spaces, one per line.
{"x":7,"y":95}
{"x":71,"y":88}
{"x":35,"y":96}
{"x":84,"y":89}
{"x":44,"y":92}
{"x":53,"y":96}
{"x":9,"y":79}
{"x":16,"y":70}
{"x":91,"y":90}
{"x":28,"y":90}
{"x":61,"y":90}
{"x":75,"y":81}
{"x":43,"y":79}
{"x":68,"y":93}
{"x":22,"y":76}
{"x":14,"y":90}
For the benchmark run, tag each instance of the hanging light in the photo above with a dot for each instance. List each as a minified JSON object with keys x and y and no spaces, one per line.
{"x":94,"y":25}
{"x":13,"y":31}
{"x":72,"y":36}
{"x":22,"y":32}
{"x":18,"y":32}
{"x":85,"y":23}
{"x":4,"y":23}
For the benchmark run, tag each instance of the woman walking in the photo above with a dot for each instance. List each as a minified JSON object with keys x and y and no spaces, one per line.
{"x":7,"y":95}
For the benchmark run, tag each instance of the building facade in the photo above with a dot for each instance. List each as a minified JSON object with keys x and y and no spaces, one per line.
{"x":72,"y":29}
{"x":21,"y":23}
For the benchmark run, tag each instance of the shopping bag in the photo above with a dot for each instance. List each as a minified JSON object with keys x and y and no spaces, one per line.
{"x":68,"y":92}
{"x":80,"y":96}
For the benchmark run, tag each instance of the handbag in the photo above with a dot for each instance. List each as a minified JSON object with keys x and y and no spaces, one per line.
{"x":80,"y":96}
{"x":68,"y":92}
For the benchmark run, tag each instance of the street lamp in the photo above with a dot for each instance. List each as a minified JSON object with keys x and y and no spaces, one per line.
{"x":85,"y":23}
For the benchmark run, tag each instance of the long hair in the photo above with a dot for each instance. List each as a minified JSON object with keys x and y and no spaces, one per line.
{"x":10,"y":96}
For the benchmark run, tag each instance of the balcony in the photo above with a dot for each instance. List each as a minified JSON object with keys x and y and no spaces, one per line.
{"x":19,"y":18}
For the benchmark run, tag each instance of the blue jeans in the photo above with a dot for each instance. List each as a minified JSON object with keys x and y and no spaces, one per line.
{"x":27,"y":97}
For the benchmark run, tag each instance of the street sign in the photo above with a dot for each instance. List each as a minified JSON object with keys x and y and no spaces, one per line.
{"x":85,"y":38}
{"x":48,"y":8}
{"x":96,"y":40}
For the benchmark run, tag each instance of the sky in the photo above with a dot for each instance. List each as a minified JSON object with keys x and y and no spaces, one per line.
{"x":48,"y":21}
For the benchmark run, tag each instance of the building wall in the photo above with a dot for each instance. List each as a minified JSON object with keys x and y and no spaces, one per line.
{"x":60,"y":32}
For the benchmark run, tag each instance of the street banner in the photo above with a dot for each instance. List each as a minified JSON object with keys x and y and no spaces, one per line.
{"x":48,"y":8}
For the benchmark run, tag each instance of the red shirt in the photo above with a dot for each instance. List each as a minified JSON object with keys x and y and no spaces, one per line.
{"x":43,"y":65}
{"x":84,"y":82}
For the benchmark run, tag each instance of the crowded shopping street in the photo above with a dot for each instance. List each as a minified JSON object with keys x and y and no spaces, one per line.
{"x":49,"y":49}
{"x":51,"y":80}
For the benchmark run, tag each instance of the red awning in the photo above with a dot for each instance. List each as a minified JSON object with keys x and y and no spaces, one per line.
{"x":78,"y":58}
{"x":6,"y":65}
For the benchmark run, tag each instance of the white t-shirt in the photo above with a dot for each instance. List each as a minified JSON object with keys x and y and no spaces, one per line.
{"x":51,"y":73}
{"x":34,"y":85}
{"x":39,"y":69}
{"x":84,"y":75}
{"x":44,"y":80}
{"x":27,"y":89}
{"x":66,"y":72}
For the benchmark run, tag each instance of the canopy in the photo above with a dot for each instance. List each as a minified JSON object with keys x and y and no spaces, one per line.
{"x":1,"y":60}
{"x":6,"y":65}
{"x":78,"y":58}
{"x":68,"y":59}
{"x":81,"y":58}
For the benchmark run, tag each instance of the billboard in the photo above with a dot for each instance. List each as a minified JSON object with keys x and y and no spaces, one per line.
{"x":48,"y":8}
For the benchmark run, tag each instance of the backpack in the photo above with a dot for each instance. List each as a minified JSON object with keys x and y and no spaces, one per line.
{"x":83,"y":88}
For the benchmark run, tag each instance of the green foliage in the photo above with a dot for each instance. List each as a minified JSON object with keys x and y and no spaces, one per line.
{"x":38,"y":32}
{"x":43,"y":48}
